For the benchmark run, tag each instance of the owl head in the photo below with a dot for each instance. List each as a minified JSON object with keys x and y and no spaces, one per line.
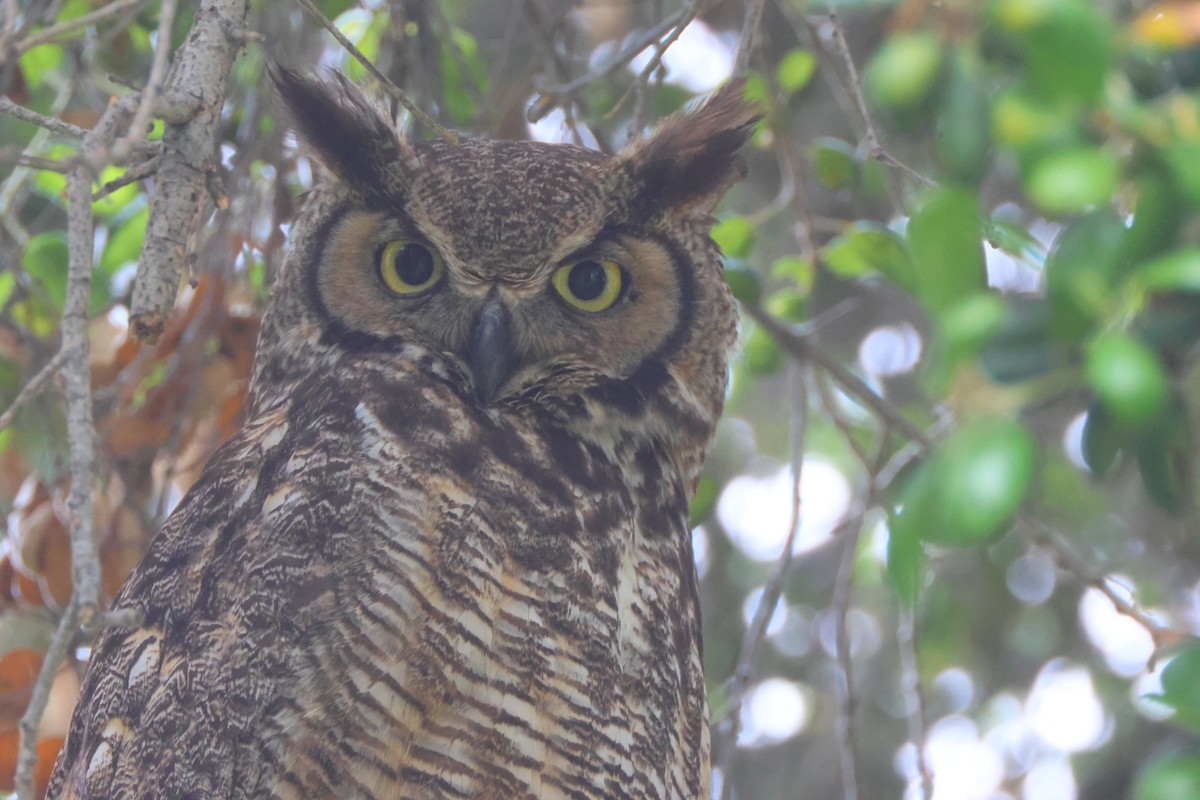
{"x":528,"y":275}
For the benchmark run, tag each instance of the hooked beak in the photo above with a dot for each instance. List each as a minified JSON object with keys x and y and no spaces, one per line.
{"x":491,"y":356}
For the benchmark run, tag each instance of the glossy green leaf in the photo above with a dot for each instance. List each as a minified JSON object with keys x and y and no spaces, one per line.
{"x":981,"y":476}
{"x":1172,"y":777}
{"x":745,"y":283}
{"x":124,"y":242}
{"x":1080,"y":271}
{"x":905,"y":560}
{"x":1181,"y":684}
{"x":1178,"y":271}
{"x":963,"y":125}
{"x":904,"y":69}
{"x":1103,"y":439}
{"x":735,"y":236}
{"x":835,"y":161}
{"x":788,"y":304}
{"x":799,"y":271}
{"x":945,"y":238}
{"x":795,"y":70}
{"x":868,"y":247}
{"x":1070,"y":181}
{"x":45,"y":260}
{"x":1127,"y":378}
{"x":968,"y":325}
{"x":762,"y":354}
{"x":1068,"y":53}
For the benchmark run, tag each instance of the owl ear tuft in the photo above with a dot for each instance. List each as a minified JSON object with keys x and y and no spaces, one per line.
{"x":343,"y":129}
{"x":689,"y":161}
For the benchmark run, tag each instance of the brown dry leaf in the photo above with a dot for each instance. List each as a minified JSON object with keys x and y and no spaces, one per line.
{"x":19,"y":670}
{"x":106,"y":346}
{"x":7,"y":578}
{"x":47,"y":753}
{"x":56,"y":719}
{"x":42,"y":545}
{"x":123,"y":549}
{"x":10,"y":741}
{"x":1172,"y":25}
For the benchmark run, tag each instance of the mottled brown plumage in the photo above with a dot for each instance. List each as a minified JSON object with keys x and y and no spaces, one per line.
{"x":448,"y":556}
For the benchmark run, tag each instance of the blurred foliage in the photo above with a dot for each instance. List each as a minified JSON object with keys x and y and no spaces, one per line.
{"x":1024,"y":240}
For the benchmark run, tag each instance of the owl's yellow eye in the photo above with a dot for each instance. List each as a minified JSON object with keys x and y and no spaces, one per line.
{"x":407,"y":267}
{"x":592,"y":285}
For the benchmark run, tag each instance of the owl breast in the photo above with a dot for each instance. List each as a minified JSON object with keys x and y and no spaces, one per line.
{"x":496,"y":629}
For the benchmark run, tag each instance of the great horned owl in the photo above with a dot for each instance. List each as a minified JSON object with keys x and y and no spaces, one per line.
{"x":448,"y":555}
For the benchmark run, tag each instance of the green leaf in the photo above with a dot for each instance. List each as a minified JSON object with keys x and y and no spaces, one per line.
{"x":1127,"y":378}
{"x":114,"y":203}
{"x":735,"y":236}
{"x":45,"y":260}
{"x":904,"y":69}
{"x":1103,"y":439}
{"x":745,"y":283}
{"x":1158,"y":213}
{"x":964,"y":129}
{"x":905,"y":559}
{"x":795,"y":70}
{"x":945,"y":237}
{"x":1172,"y":777}
{"x":1027,"y":124}
{"x":37,"y":62}
{"x":1070,"y":181}
{"x":704,"y":500}
{"x":788,"y":304}
{"x":1181,"y":685}
{"x":1166,"y":460}
{"x":868,"y":247}
{"x":835,"y":161}
{"x":980,"y":477}
{"x":968,"y":325}
{"x":1080,"y":271}
{"x":1068,"y":53}
{"x":1178,"y":271}
{"x":124,"y":242}
{"x":799,"y":271}
{"x":762,"y":354}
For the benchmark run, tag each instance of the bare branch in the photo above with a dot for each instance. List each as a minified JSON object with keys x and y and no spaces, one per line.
{"x":56,"y":653}
{"x":1069,"y":560}
{"x":149,"y":96}
{"x":49,"y":123}
{"x":803,"y":349}
{"x":730,"y":724}
{"x":874,"y":143}
{"x":134,"y":174}
{"x":391,"y":88}
{"x":73,"y":354}
{"x":914,"y":699}
{"x":842,"y":591}
{"x":191,"y":106}
{"x":552,"y":96}
{"x":31,"y":389}
{"x":113,"y":9}
{"x":749,"y":35}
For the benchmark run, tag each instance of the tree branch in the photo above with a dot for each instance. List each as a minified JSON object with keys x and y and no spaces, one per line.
{"x":191,"y":105}
{"x":391,"y":88}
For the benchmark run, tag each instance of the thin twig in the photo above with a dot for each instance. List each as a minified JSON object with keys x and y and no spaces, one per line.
{"x":113,"y":9}
{"x":149,"y":96}
{"x":132,"y":175}
{"x":81,"y":431}
{"x":914,"y":699}
{"x":49,"y":123}
{"x":802,"y":348}
{"x":550,"y":97}
{"x":653,"y":64}
{"x":842,"y":591}
{"x":749,"y":35}
{"x":31,"y":720}
{"x":874,"y":144}
{"x":31,"y":389}
{"x":391,"y":88}
{"x":730,"y":724}
{"x":1044,"y":535}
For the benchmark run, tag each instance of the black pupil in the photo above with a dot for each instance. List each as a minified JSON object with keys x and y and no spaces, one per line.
{"x":587,"y":280}
{"x":414,"y":264}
